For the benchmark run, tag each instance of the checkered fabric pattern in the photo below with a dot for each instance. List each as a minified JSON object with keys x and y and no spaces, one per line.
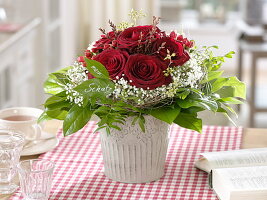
{"x":79,"y":167}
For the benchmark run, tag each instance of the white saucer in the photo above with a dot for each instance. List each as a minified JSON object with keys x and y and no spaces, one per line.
{"x":41,"y":146}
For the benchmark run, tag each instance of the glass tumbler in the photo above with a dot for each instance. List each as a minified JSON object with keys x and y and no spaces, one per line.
{"x":11,"y":144}
{"x":35,"y":178}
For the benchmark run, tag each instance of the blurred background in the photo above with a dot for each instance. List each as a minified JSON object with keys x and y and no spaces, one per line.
{"x":40,"y":36}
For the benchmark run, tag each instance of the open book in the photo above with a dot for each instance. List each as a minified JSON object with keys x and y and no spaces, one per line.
{"x":237,"y":174}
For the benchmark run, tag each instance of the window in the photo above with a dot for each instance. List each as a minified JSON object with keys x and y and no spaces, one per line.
{"x":199,"y":10}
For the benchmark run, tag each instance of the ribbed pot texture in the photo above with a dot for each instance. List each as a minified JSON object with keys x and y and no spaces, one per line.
{"x":132,"y":156}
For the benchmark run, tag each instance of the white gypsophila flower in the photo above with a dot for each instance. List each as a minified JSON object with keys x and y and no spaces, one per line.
{"x":187,"y":76}
{"x":91,"y":46}
{"x":76,"y":75}
{"x":123,"y":90}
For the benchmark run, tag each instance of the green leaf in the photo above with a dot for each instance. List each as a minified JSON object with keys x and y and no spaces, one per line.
{"x":115,"y":127}
{"x":64,"y":70}
{"x":57,"y":106}
{"x":135,"y":120}
{"x":142,"y":122}
{"x":57,"y":101}
{"x":96,"y":69}
{"x":60,"y":78}
{"x":192,"y":110}
{"x":57,"y":113}
{"x":76,"y":119}
{"x":189,"y":121}
{"x":212,"y":75}
{"x":182,"y":93}
{"x":230,"y":100}
{"x":51,"y":85}
{"x":166,"y":114}
{"x":226,"y":91}
{"x":95,"y":89}
{"x":239,"y":87}
{"x":197,"y":100}
{"x":225,"y":113}
{"x":229,"y":55}
{"x":43,"y":117}
{"x":97,"y":129}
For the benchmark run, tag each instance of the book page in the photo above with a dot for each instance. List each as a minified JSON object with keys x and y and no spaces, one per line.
{"x":244,"y":178}
{"x":237,"y":158}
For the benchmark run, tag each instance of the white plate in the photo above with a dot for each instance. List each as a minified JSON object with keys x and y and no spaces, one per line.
{"x":41,"y":146}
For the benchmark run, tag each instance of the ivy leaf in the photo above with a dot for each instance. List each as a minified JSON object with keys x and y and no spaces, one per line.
{"x":166,"y":114}
{"x":76,"y":119}
{"x":230,"y":100}
{"x":238,"y":86}
{"x":226,"y":91}
{"x":225,"y":113}
{"x":197,"y":100}
{"x":189,"y":121}
{"x":212,"y":75}
{"x":96,"y":69}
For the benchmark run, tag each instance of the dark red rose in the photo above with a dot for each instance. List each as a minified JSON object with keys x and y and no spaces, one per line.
{"x":144,"y":71}
{"x":181,"y":56}
{"x":133,"y":36}
{"x":114,"y":61}
{"x":105,"y":42}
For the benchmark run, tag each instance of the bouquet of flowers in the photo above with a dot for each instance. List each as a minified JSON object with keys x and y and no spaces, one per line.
{"x":141,"y":70}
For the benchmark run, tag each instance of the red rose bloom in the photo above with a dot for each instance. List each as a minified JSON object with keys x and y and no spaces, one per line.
{"x":181,"y":56}
{"x":114,"y":61}
{"x":133,"y":36}
{"x":146,"y":71}
{"x":105,"y":42}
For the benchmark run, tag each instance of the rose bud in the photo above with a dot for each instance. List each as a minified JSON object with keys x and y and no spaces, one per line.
{"x":80,"y":59}
{"x":173,"y":35}
{"x":180,"y":38}
{"x":191,"y":44}
{"x":114,"y":43}
{"x":88,"y":54}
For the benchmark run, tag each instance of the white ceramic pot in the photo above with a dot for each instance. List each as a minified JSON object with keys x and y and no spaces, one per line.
{"x":132,"y":156}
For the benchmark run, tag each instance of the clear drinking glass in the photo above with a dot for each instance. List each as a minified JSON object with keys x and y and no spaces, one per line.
{"x":35,"y":178}
{"x":11,"y":144}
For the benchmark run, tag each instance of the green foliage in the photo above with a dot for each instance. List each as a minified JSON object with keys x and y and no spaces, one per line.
{"x":215,"y":93}
{"x":96,"y":69}
{"x":189,"y":121}
{"x":94,"y":90}
{"x":167,"y":114}
{"x":76,"y":118}
{"x":55,"y":82}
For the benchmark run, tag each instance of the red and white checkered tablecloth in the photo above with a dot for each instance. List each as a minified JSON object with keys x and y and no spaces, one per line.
{"x":79,"y":167}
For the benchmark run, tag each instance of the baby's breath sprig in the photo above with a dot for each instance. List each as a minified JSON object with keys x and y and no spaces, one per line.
{"x":123,"y":25}
{"x":76,"y":75}
{"x":135,"y":15}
